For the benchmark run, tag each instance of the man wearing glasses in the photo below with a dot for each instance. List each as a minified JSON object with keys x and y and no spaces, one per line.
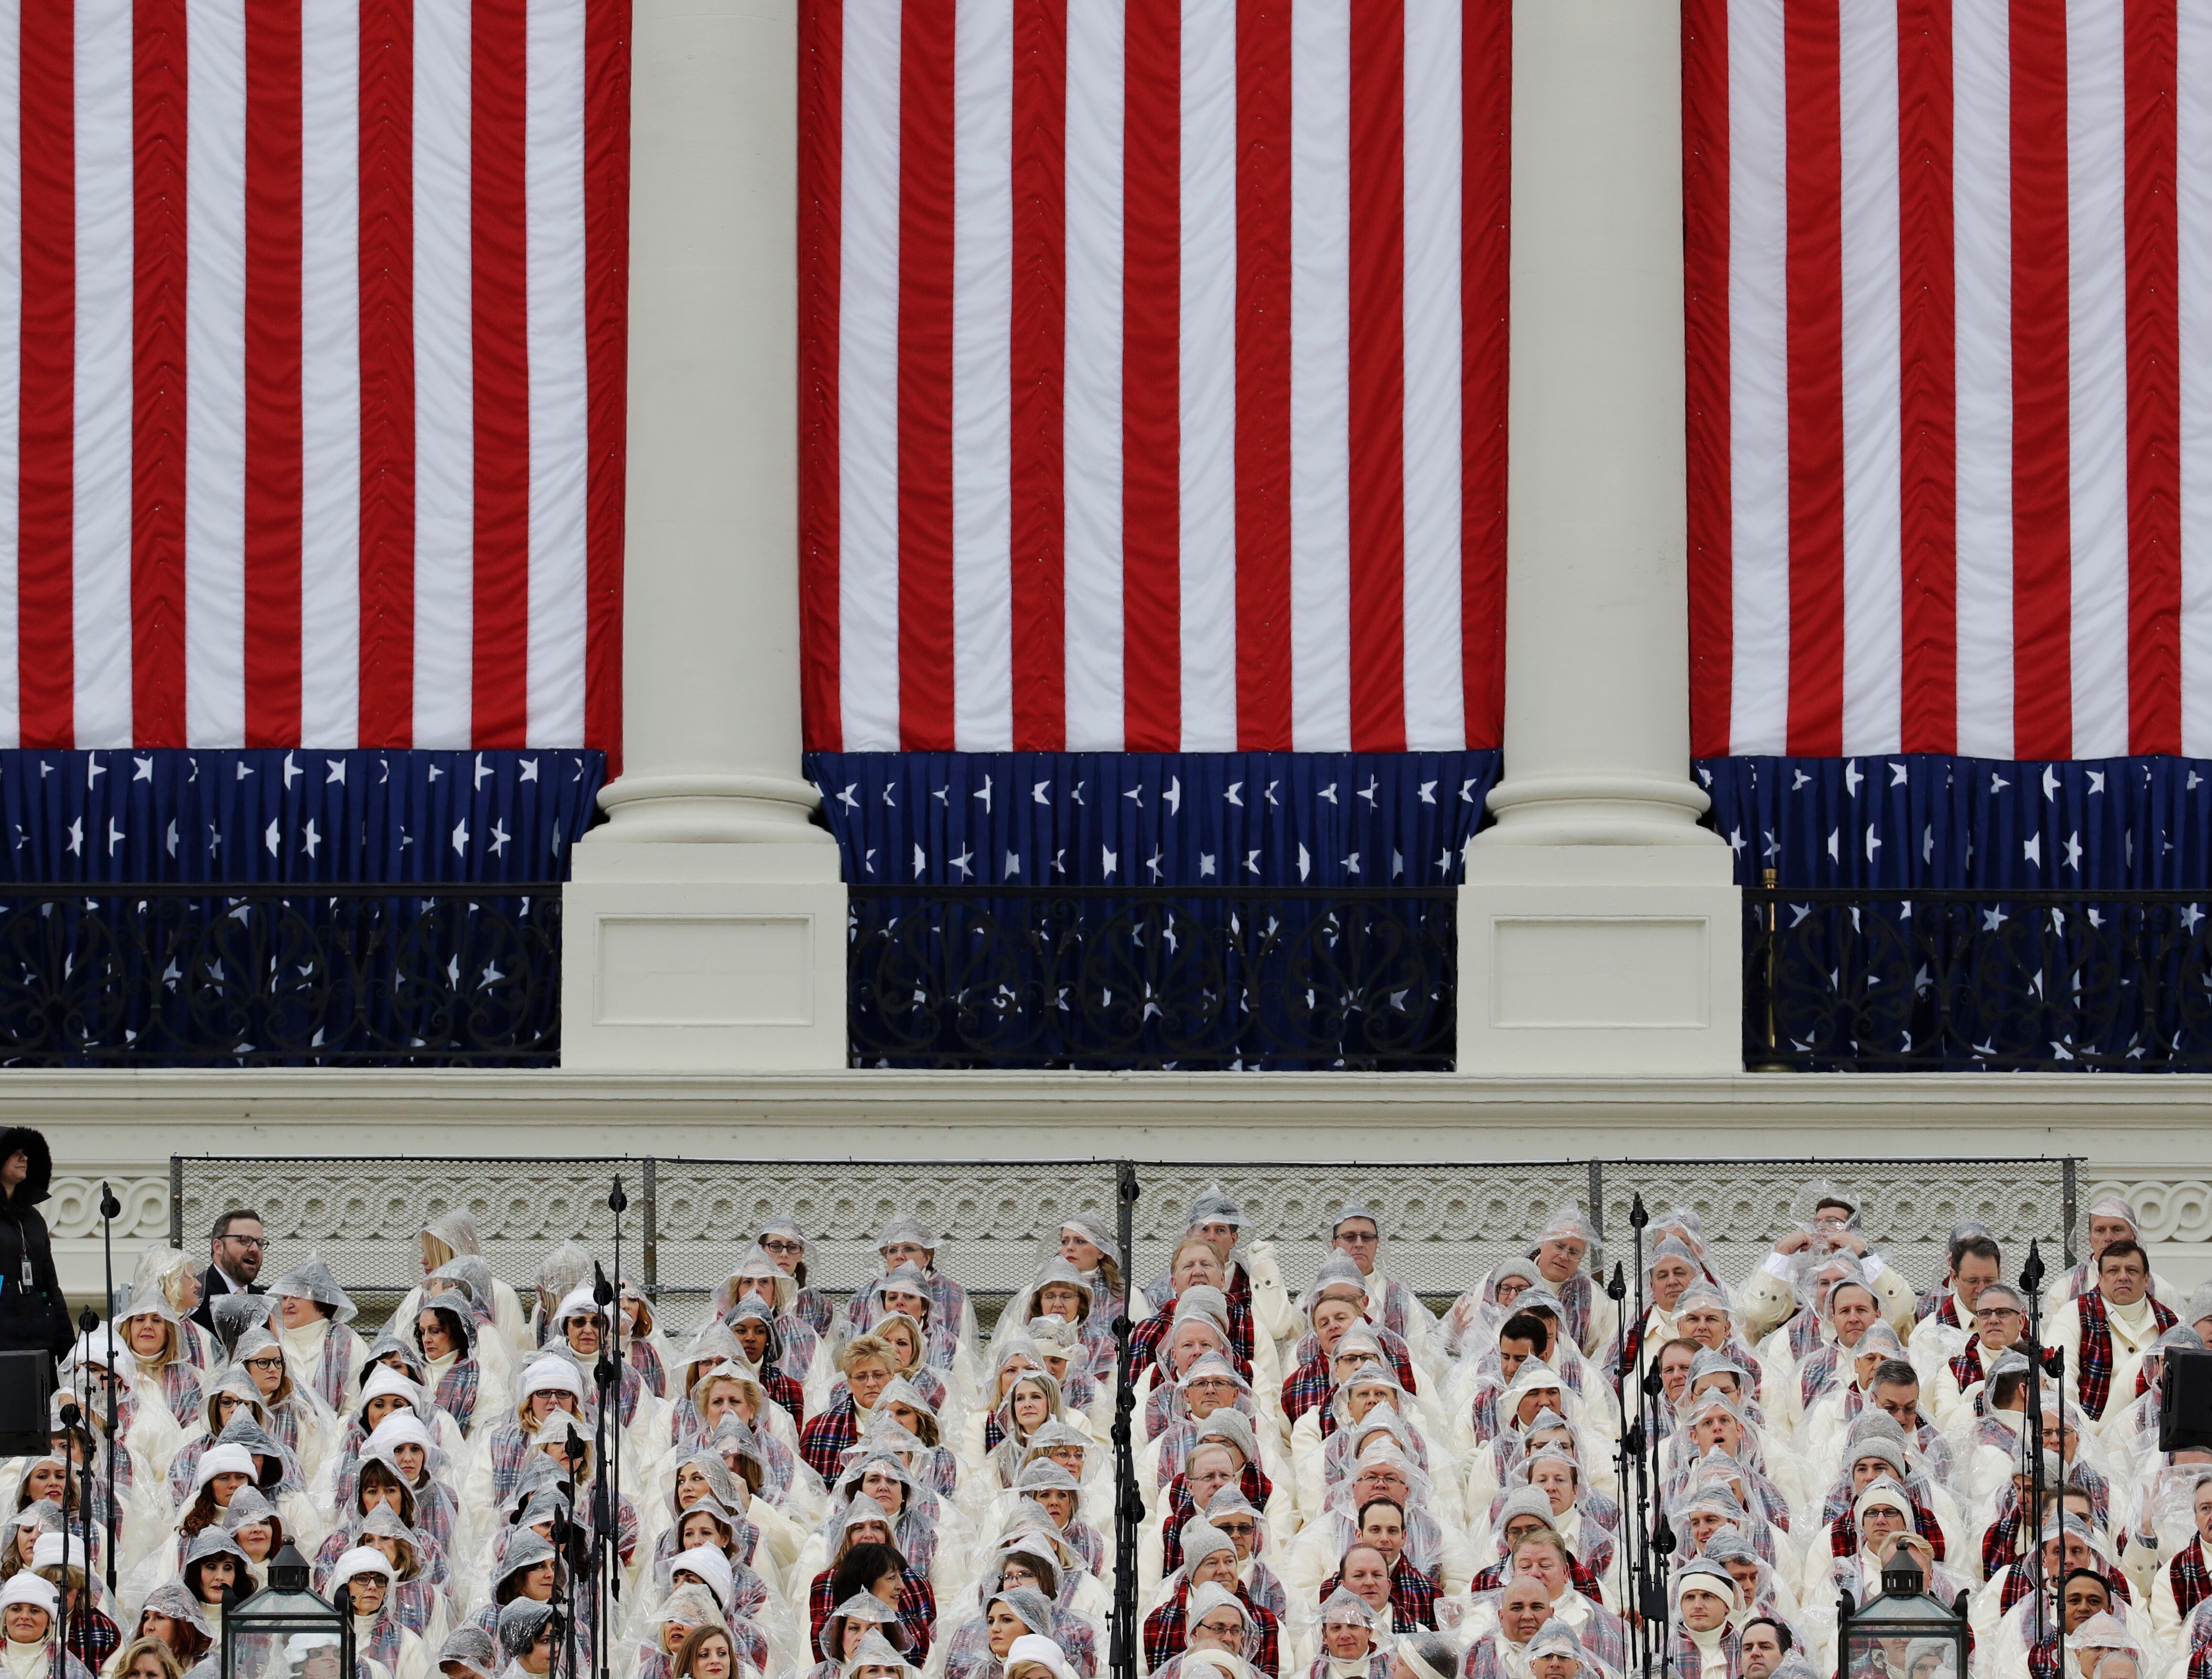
{"x":236,"y":1247}
{"x":2000,"y":1320}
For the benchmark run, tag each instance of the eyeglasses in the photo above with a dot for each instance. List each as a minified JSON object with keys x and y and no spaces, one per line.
{"x":783,"y":1247}
{"x":248,"y":1241}
{"x":272,"y":1361}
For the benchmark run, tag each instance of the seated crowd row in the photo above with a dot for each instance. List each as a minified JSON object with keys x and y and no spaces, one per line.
{"x":1339,"y":1484}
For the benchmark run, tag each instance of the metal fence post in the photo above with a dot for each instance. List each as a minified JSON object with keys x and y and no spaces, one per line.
{"x":176,"y":1201}
{"x":2066,"y":1168}
{"x":1597,"y":1197}
{"x":652,"y":1197}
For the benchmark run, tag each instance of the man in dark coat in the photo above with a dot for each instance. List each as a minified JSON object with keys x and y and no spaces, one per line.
{"x":33,"y":1315}
{"x":236,"y":1248}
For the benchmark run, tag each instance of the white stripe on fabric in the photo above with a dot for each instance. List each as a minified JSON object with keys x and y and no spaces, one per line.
{"x":214,"y":374}
{"x":1092,"y":424}
{"x":445,"y":383}
{"x":11,"y":365}
{"x":1435,"y":705}
{"x":1207,"y":457}
{"x":1873,"y":344}
{"x":329,"y":374}
{"x":2096,"y":444}
{"x":105,"y":284}
{"x":867,"y":381}
{"x":2193,"y":201}
{"x":1981,"y":162}
{"x":982,"y":374}
{"x":560,"y":382}
{"x":1759,"y":406}
{"x":1321,"y":394}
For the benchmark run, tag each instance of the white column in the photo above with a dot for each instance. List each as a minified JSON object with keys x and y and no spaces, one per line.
{"x":1599,"y":928}
{"x":705,"y":922}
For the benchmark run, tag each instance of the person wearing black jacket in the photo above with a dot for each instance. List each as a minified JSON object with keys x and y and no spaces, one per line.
{"x":33,"y":1314}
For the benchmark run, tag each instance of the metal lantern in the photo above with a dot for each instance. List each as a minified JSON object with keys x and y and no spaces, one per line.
{"x":257,"y":1633}
{"x":1905,"y":1633}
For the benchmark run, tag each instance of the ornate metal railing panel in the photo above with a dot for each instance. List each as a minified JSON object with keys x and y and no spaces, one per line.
{"x":1989,"y":980}
{"x":1157,"y":977}
{"x":280,"y":975}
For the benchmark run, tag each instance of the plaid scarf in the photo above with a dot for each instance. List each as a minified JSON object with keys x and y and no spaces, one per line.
{"x":2191,"y":1580}
{"x":1578,"y":1295}
{"x":776,"y":1383}
{"x":1308,"y":1388}
{"x":92,"y":1638}
{"x":1413,"y":1596}
{"x":1167,"y":1629}
{"x":828,"y":1436}
{"x":1816,"y":1373}
{"x":456,"y":1389}
{"x":917,"y":1610}
{"x":1684,"y":1659}
{"x":1393,"y":1344}
{"x":645,"y":1359}
{"x":1966,"y":1367}
{"x":2095,"y":1376}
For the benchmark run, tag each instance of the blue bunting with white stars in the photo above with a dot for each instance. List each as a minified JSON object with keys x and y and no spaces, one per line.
{"x":1196,"y":820}
{"x":153,"y":817}
{"x":2111,"y":824}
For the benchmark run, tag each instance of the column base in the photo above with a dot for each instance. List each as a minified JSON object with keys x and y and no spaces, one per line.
{"x":1599,"y":959}
{"x":703,"y":958}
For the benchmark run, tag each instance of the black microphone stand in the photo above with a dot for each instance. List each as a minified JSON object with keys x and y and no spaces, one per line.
{"x":564,"y":1582}
{"x":606,"y":1436}
{"x":1654,"y":1541}
{"x":75,"y":1418}
{"x":110,"y":1208}
{"x":1128,"y":1504}
{"x":1631,"y":1440}
{"x":2031,"y":1285}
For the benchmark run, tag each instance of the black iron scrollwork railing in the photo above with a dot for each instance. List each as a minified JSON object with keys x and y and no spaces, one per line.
{"x":251,"y":975}
{"x":1988,"y":979}
{"x":1153,"y":977}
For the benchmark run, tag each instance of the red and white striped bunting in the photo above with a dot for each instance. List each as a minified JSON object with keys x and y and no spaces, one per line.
{"x":1153,"y":373}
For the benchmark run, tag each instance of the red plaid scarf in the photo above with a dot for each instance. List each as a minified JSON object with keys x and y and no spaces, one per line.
{"x":825,"y":1440}
{"x":2191,"y":1580}
{"x":2095,"y":1376}
{"x":1413,"y":1596}
{"x":1309,"y":1388}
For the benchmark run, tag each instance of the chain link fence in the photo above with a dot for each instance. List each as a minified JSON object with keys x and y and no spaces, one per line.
{"x":1443,"y":1222}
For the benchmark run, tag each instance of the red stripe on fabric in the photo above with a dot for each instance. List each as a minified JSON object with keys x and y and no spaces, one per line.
{"x":499,"y":335}
{"x":606,"y":326}
{"x":1929,"y":503}
{"x":2043,"y":607}
{"x":1376,"y":489}
{"x":46,"y":444}
{"x":821,"y":174}
{"x":1151,"y":378}
{"x":1812,"y":75}
{"x":1486,"y":237}
{"x":925,"y":378}
{"x":387,"y":373}
{"x":157,"y":367}
{"x":1038,"y":348}
{"x":2153,"y":234}
{"x":1263,"y":375}
{"x":1705,"y":335}
{"x":273,"y":446}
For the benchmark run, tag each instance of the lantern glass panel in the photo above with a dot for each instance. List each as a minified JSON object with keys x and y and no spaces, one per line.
{"x":1906,"y":1636}
{"x":285,"y":1631}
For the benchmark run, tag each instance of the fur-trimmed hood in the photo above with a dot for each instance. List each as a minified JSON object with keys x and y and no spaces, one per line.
{"x":39,"y":1184}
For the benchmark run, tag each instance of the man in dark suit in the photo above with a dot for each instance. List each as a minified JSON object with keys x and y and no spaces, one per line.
{"x":235,"y":1246}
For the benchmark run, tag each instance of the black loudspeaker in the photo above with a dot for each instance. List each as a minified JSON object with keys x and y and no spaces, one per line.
{"x":26,"y":1392}
{"x":2184,"y":1408}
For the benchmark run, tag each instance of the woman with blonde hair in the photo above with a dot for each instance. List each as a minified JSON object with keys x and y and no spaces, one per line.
{"x":173,"y":1273}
